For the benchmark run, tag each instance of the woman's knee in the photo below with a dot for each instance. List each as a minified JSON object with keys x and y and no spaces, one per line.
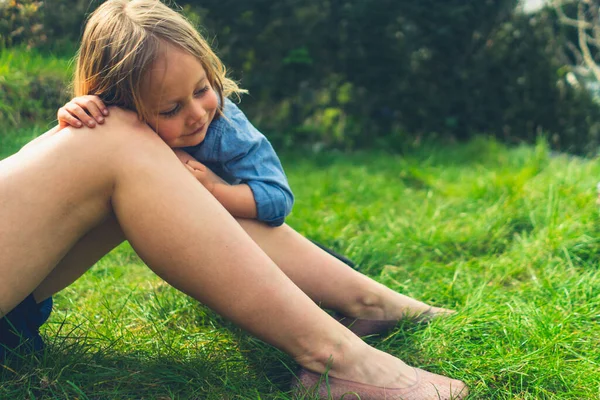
{"x":124,"y":128}
{"x":124,"y":140}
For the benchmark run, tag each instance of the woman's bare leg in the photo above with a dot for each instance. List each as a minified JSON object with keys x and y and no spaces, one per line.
{"x":325,"y":279}
{"x":322,"y":277}
{"x":328,"y":281}
{"x":54,"y":193}
{"x":87,"y":251}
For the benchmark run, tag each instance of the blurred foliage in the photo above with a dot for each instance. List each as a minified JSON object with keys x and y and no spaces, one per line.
{"x":21,"y":22}
{"x":65,"y":19}
{"x":525,"y":91}
{"x":358,"y":73}
{"x":32,"y":85}
{"x":362,"y":73}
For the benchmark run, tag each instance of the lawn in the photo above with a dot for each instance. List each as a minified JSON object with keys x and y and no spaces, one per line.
{"x":509,"y":237}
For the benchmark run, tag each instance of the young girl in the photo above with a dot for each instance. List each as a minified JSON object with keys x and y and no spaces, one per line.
{"x":230,"y":158}
{"x":76,"y":195}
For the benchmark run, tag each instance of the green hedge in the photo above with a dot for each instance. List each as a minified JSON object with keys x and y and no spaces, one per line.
{"x":359,"y":73}
{"x":22,"y":22}
{"x":354,"y":73}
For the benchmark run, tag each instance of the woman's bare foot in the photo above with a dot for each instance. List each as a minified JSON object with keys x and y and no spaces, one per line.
{"x":366,"y":327}
{"x":389,"y":305}
{"x":380,"y":375}
{"x":427,"y":386}
{"x":356,"y":361}
{"x":432,"y":313}
{"x":398,"y":306}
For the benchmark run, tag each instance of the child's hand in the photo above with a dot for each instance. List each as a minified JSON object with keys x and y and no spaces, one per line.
{"x":204,"y":175}
{"x":183,"y":156}
{"x":80,"y":110}
{"x":200,"y":171}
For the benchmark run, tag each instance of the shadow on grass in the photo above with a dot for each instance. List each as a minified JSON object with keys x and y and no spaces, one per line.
{"x":86,"y":374}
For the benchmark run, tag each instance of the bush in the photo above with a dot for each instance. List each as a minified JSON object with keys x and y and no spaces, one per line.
{"x":355,"y":73}
{"x":64,"y":20}
{"x":521,"y":90}
{"x":43,"y":23}
{"x":359,"y":73}
{"x":21,"y":22}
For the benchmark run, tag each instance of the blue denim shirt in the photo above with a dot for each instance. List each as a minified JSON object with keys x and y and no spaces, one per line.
{"x":237,"y":152}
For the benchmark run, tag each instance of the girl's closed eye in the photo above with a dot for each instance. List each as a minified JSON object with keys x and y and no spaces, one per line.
{"x":171,"y":112}
{"x":201,"y":91}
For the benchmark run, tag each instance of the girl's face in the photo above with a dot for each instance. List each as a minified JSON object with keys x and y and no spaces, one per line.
{"x":181,"y":101}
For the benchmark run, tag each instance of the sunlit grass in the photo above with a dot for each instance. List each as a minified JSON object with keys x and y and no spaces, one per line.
{"x":33,"y":63}
{"x":33,"y":85}
{"x":508,"y":237}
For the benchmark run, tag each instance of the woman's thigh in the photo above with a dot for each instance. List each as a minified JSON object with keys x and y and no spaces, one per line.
{"x":51,"y":194}
{"x":309,"y":267}
{"x":87,"y":251}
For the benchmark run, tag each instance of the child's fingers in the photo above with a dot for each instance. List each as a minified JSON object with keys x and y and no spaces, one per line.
{"x":194,"y":172}
{"x":195,"y":164}
{"x":182,"y":155}
{"x":64,"y":118}
{"x":100,"y":104}
{"x":93,"y":105}
{"x":90,"y":98}
{"x":76,"y":111}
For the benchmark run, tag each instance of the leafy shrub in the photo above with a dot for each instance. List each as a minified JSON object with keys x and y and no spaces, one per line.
{"x":21,"y":22}
{"x":43,"y":23}
{"x":64,"y":20}
{"x":355,"y":73}
{"x":359,"y":73}
{"x":521,"y":90}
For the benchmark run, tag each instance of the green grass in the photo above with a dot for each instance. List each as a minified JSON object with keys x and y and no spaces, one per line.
{"x":33,"y":63}
{"x":508,"y":237}
{"x":33,"y":85}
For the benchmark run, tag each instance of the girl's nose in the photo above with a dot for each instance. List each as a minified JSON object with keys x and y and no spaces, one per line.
{"x":198,"y":111}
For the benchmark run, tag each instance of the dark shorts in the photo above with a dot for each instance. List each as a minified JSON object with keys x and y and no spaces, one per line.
{"x":20,"y":328}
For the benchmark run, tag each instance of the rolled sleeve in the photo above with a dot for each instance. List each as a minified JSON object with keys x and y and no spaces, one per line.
{"x":273,"y":204}
{"x":247,"y":155}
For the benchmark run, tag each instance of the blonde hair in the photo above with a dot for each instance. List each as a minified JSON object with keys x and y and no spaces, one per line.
{"x":120,"y":43}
